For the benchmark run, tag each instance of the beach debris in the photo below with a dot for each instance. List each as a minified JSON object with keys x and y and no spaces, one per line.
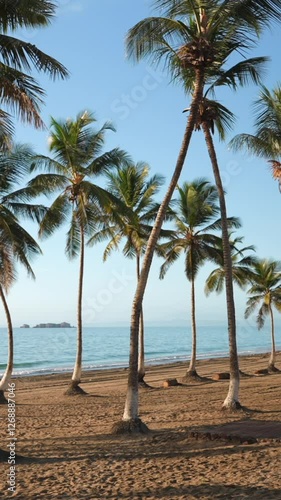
{"x":170,"y":382}
{"x":221,"y":376}
{"x":262,"y":371}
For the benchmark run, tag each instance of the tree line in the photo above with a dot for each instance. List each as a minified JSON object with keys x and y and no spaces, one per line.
{"x":196,"y":41}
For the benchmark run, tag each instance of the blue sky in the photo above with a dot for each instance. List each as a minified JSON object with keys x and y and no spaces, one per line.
{"x":87,"y":36}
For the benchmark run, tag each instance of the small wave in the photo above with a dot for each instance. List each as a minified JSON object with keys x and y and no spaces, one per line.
{"x":42,"y":371}
{"x":29,"y":364}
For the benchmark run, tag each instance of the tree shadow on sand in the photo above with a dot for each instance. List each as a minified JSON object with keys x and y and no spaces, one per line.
{"x":212,"y":491}
{"x":186,"y":443}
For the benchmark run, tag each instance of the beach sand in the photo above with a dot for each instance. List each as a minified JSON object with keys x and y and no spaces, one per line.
{"x":194,"y":449}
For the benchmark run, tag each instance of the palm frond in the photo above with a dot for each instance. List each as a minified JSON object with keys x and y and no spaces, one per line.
{"x":263,"y":311}
{"x":22,"y":95}
{"x":215,"y":282}
{"x":27,"y":14}
{"x":73,"y":238}
{"x":113,"y":244}
{"x":243,"y":73}
{"x":47,"y":164}
{"x":46,"y":184}
{"x":104,"y":163}
{"x":24,"y":55}
{"x":252,"y":304}
{"x":55,"y":216}
{"x":28,"y":211}
{"x":172,"y":256}
{"x":22,"y":246}
{"x":252,"y":143}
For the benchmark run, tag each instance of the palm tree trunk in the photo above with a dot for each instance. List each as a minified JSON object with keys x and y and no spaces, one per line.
{"x":192,"y":370}
{"x":76,"y":376}
{"x":271,"y":363}
{"x":232,"y":399}
{"x":141,"y":367}
{"x":9,"y":369}
{"x":131,"y":404}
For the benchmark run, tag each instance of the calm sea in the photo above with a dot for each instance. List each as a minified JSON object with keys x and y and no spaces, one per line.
{"x":39,"y":351}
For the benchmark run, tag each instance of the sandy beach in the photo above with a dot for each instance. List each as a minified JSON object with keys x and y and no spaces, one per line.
{"x":193,"y":450}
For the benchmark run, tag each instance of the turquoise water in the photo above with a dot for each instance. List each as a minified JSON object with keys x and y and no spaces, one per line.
{"x":53,"y":350}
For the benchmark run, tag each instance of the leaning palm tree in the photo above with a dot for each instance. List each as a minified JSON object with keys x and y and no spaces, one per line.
{"x":195,"y":236}
{"x":266,"y":141}
{"x":20,"y":92}
{"x":212,"y":115}
{"x":266,"y":293}
{"x":16,"y":244}
{"x":195,"y":41}
{"x":78,"y":157}
{"x":132,"y":186}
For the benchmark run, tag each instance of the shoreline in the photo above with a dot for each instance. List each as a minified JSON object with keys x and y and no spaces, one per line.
{"x":150,"y":363}
{"x":150,"y":368}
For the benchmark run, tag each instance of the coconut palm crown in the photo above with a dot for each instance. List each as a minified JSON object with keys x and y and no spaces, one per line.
{"x":242,"y":267}
{"x":131,"y":185}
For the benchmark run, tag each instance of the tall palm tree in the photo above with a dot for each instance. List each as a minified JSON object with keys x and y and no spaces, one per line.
{"x":266,"y":293}
{"x":136,"y":190}
{"x":213,"y":115}
{"x":16,"y":244}
{"x":196,"y":224}
{"x":266,"y":141}
{"x":242,"y":267}
{"x":20,"y":92}
{"x":78,"y":157}
{"x":195,"y":40}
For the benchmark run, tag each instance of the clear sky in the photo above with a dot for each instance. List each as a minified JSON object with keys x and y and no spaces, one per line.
{"x":87,"y":36}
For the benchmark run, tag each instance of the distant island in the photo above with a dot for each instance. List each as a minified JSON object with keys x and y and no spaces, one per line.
{"x":54,"y":325}
{"x":50,"y":325}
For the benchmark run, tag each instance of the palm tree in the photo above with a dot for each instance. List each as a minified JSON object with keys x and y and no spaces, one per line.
{"x":77,"y":158}
{"x":265,"y":294}
{"x":16,"y":244}
{"x":195,"y":40}
{"x":195,"y":225}
{"x":132,"y":186}
{"x":20,"y":92}
{"x":242,"y":267}
{"x":266,"y":142}
{"x":212,"y":114}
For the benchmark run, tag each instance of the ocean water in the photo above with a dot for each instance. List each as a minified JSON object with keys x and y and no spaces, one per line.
{"x":51,"y":350}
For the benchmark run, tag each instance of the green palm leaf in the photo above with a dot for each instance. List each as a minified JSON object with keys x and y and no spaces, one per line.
{"x":20,"y":92}
{"x":265,"y":289}
{"x":55,"y":216}
{"x":242,"y":266}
